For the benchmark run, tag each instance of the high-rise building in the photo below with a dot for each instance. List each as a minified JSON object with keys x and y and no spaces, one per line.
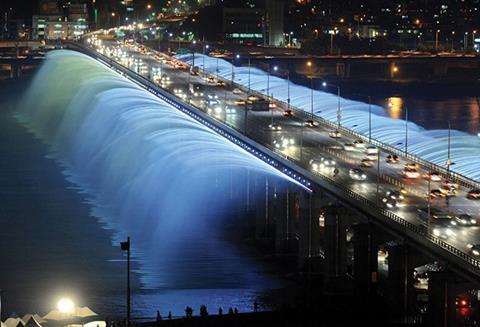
{"x":274,"y":16}
{"x":66,"y":19}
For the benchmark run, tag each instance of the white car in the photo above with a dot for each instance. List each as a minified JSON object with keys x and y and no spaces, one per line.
{"x":322,"y":163}
{"x":275,"y":127}
{"x":230,"y":110}
{"x":372,"y":150}
{"x":411,"y":173}
{"x":359,"y":144}
{"x":357,"y":174}
{"x":335,"y":134}
{"x":237,"y":91}
{"x":348,"y":147}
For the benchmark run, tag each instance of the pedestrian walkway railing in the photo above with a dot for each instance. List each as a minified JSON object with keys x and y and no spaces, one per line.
{"x":359,"y":202}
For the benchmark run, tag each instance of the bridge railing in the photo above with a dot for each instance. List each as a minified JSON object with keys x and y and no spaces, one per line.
{"x":385,"y":147}
{"x":366,"y":205}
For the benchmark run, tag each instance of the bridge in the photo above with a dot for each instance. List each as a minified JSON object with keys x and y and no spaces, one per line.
{"x":314,"y":223}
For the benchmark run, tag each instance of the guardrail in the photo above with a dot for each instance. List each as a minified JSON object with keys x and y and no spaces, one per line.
{"x":385,"y":147}
{"x":368,"y":207}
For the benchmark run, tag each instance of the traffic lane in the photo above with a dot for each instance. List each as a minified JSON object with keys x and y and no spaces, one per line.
{"x":265,"y":120}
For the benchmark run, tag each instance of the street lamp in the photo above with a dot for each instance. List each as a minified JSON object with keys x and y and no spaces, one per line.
{"x":310,"y":122}
{"x":339,"y":110}
{"x":275,"y":68}
{"x":436,"y":40}
{"x":473,"y":39}
{"x":453,"y":34}
{"x":237,"y":56}
{"x":203,"y":64}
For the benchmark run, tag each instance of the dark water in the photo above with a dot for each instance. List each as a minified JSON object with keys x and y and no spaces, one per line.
{"x":434,"y":113}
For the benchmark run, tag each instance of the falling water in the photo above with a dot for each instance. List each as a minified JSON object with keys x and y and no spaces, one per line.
{"x":428,"y":144}
{"x":150,"y":172}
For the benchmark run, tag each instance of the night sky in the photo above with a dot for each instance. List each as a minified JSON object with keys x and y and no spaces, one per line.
{"x":21,"y":9}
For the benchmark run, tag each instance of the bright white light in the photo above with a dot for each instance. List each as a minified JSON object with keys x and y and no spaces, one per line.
{"x":65,"y":305}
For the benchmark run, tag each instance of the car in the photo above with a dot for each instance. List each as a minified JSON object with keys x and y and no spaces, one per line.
{"x":448,"y":190}
{"x":392,"y":159}
{"x":473,"y":194}
{"x":310,"y":123}
{"x":335,"y":134}
{"x":288,"y":113}
{"x":211,"y":80}
{"x":220,"y":83}
{"x":390,"y":203}
{"x":367,"y":163}
{"x":348,"y":147}
{"x":443,"y":233}
{"x":465,"y":219}
{"x":372,"y":150}
{"x":230,"y":110}
{"x":438,"y":215}
{"x":359,"y":144}
{"x":357,"y":174}
{"x":396,"y":195}
{"x":436,"y":193}
{"x":240,"y":102}
{"x":434,"y":176}
{"x":283,"y":142}
{"x":237,"y":91}
{"x":474,"y":249}
{"x":411,"y":173}
{"x":252,"y":98}
{"x":411,"y":165}
{"x":323,"y":162}
{"x":275,"y":127}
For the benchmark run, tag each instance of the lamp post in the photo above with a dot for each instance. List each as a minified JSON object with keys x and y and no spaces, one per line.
{"x":436,"y":40}
{"x":249,"y":75}
{"x":125,"y":246}
{"x":406,"y":132}
{"x":310,"y":122}
{"x":237,"y":56}
{"x":203,"y":63}
{"x":473,"y":39}
{"x":275,"y":68}
{"x":453,"y":34}
{"x":339,"y":110}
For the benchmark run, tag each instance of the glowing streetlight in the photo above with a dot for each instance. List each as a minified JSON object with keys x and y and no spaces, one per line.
{"x":149,"y":6}
{"x":65,"y":305}
{"x":339,"y":110}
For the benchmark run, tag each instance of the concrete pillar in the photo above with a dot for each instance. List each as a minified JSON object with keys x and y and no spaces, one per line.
{"x":400,"y":279}
{"x":365,"y":263}
{"x":441,"y":299}
{"x":334,"y":243}
{"x":284,"y":217}
{"x":263,"y":196}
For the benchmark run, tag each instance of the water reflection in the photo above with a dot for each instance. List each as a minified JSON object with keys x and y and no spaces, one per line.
{"x":395,"y":106}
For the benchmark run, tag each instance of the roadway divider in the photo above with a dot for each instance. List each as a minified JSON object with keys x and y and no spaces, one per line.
{"x":292,"y":168}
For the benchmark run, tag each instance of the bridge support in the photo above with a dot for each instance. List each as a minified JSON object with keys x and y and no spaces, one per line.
{"x":402,"y":260}
{"x":284,"y":217}
{"x":441,"y":299}
{"x":335,"y":247}
{"x":365,"y":262}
